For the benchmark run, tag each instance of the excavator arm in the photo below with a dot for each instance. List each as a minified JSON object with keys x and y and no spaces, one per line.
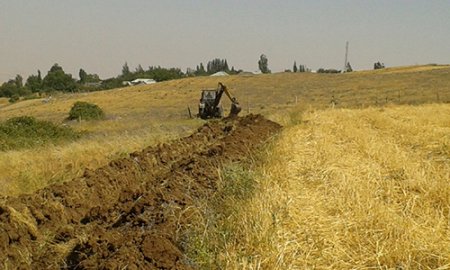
{"x":225,"y":89}
{"x":235,"y":107}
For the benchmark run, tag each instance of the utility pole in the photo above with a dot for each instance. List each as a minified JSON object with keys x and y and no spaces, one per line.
{"x":346,"y":57}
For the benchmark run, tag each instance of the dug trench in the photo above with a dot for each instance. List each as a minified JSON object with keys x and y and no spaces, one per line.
{"x":131,"y":213}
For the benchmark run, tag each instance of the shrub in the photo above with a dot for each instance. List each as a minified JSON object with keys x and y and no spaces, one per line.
{"x":26,"y":131}
{"x":14,"y":99}
{"x":85,"y":111}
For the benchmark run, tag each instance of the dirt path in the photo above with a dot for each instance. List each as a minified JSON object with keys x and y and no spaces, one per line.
{"x":129,"y":214}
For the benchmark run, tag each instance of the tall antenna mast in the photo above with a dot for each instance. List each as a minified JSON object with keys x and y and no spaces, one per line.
{"x":346,"y":57}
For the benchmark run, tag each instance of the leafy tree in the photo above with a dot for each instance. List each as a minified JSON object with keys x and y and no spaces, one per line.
{"x":217,"y":65}
{"x":139,"y":69}
{"x":163,"y":74}
{"x":19,"y":81}
{"x":301,"y":68}
{"x":83,"y":75}
{"x":8,"y":89}
{"x":263,"y":64}
{"x":200,"y":70}
{"x":295,"y":67}
{"x":125,"y":69}
{"x":57,"y":79}
{"x":88,"y":78}
{"x":34,"y":82}
{"x":93,"y":78}
{"x":14,"y":88}
{"x":56,"y":68}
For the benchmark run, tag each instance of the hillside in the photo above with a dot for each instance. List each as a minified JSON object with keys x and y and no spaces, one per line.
{"x":257,"y":93}
{"x":143,"y":115}
{"x":357,"y":178}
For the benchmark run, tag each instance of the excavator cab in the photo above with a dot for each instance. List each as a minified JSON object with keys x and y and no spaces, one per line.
{"x":209,"y":105}
{"x":207,"y":108}
{"x":209,"y":95}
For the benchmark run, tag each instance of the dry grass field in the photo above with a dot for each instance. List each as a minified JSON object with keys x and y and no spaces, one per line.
{"x":142,"y":115}
{"x":346,"y":189}
{"x":358,"y":183}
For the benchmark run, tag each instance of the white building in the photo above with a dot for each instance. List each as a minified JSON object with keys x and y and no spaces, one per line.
{"x":220,"y":73}
{"x":139,"y":81}
{"x":143,"y":81}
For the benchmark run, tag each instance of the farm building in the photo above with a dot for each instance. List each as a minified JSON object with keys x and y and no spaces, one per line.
{"x":139,"y":81}
{"x":220,"y":73}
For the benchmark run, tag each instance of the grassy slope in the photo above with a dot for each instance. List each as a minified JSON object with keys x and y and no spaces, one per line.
{"x":344,"y":189}
{"x":142,"y":115}
{"x":169,"y":100}
{"x":348,"y":189}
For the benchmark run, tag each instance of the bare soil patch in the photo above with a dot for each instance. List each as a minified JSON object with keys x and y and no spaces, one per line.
{"x":131,"y":213}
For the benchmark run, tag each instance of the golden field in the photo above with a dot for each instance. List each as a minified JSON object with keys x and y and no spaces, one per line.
{"x":358,"y":178}
{"x":347,"y":189}
{"x":142,"y":115}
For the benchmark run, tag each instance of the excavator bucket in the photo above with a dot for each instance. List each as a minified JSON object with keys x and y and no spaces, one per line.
{"x":235,"y":108}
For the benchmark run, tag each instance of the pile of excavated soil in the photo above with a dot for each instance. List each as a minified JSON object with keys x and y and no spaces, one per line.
{"x":131,"y":213}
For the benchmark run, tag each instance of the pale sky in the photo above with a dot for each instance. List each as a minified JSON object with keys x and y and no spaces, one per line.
{"x":101,"y":35}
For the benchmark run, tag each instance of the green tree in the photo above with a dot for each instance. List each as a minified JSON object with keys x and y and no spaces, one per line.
{"x":19,"y":81}
{"x":139,"y":69}
{"x":125,"y":70}
{"x":217,"y":65}
{"x":263,"y":64}
{"x":93,"y":78}
{"x":88,"y":78}
{"x":163,"y":74}
{"x":83,"y":75}
{"x":34,"y":82}
{"x":8,"y":89}
{"x":295,"y":67}
{"x":57,"y":79}
{"x":200,"y":70}
{"x":14,"y":88}
{"x":301,"y":68}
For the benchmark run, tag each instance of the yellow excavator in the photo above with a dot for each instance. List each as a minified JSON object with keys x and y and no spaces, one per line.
{"x":210,"y":107}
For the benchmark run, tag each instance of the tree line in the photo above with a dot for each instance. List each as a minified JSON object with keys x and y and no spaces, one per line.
{"x":57,"y":79}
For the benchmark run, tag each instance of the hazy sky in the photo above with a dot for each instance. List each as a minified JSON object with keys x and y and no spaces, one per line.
{"x":100,"y":35}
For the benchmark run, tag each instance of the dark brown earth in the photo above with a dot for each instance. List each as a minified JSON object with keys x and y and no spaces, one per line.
{"x":131,"y":213}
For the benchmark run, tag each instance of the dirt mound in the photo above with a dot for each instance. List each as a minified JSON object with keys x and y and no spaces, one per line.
{"x":129,"y":214}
